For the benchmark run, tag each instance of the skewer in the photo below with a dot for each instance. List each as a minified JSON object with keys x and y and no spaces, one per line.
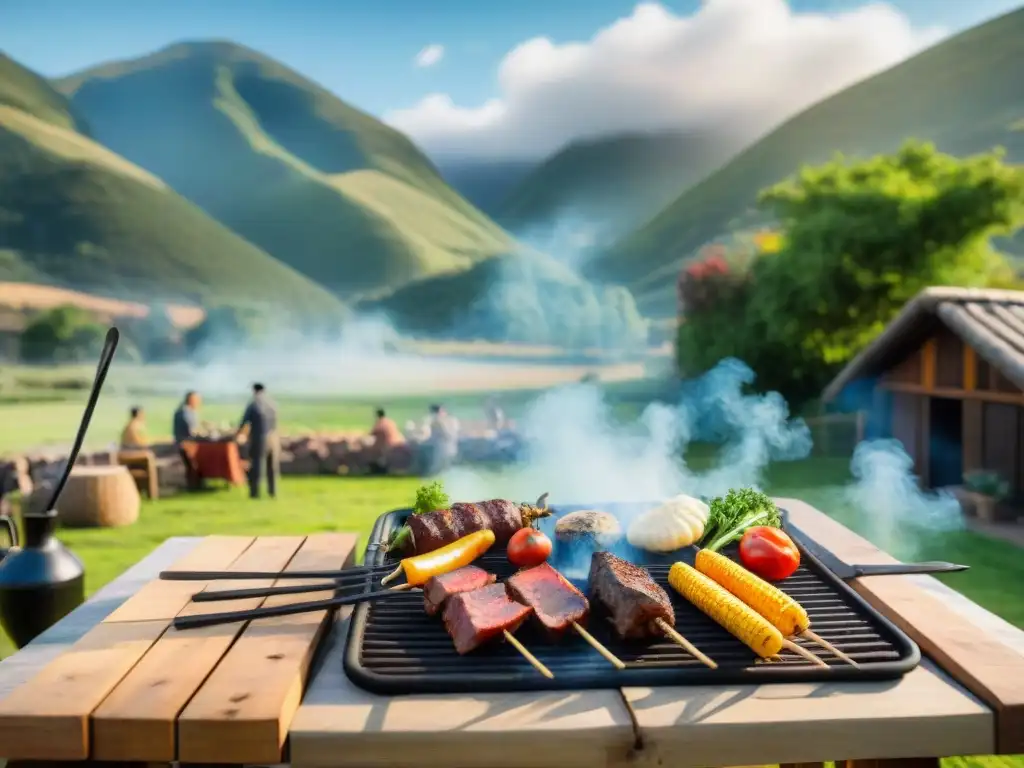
{"x":597,"y":646}
{"x":347,"y":573}
{"x":816,"y":638}
{"x":681,"y":641}
{"x":230,"y":617}
{"x":534,"y":661}
{"x":288,"y":589}
{"x":789,"y":645}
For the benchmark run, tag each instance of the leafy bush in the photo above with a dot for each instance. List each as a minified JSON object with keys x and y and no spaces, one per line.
{"x":858,"y":240}
{"x":61,"y":335}
{"x":987,"y":482}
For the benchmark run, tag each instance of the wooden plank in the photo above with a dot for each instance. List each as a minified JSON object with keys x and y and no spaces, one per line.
{"x":25,"y":664}
{"x":697,"y":726}
{"x":970,"y":368}
{"x":138,"y":720}
{"x":342,"y":726}
{"x":928,"y":355}
{"x":164,"y":599}
{"x":241,"y":714}
{"x":982,"y":395}
{"x":47,"y":718}
{"x":991,"y":670}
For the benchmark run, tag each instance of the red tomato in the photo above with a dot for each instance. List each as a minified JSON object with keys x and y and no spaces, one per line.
{"x":769,"y":553}
{"x":528,"y":547}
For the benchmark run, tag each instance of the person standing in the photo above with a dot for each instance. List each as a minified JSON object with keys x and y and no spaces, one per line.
{"x":264,"y":444}
{"x":443,"y":440}
{"x":185,"y":430}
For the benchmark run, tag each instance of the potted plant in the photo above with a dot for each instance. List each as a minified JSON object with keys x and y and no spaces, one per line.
{"x":982,"y":491}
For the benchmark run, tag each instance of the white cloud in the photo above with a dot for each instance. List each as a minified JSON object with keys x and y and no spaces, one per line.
{"x":429,"y":56}
{"x":748,"y":63}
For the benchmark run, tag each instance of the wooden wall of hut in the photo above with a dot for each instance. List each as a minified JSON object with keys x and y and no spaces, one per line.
{"x":992,"y":407}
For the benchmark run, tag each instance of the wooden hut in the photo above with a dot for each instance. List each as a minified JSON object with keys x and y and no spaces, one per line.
{"x":946,"y":378}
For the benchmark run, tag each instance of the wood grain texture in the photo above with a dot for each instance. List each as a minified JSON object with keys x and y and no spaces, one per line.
{"x":242,"y":712}
{"x":340,"y":725}
{"x":692,"y":726}
{"x":29,"y":661}
{"x":164,"y":599}
{"x":138,"y":721}
{"x":990,"y":669}
{"x":47,"y":718}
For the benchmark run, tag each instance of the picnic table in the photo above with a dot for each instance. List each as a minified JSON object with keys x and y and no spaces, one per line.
{"x":216,"y":460}
{"x":111,"y":682}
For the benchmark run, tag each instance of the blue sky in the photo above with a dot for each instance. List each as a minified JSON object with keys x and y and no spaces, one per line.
{"x":363,"y":50}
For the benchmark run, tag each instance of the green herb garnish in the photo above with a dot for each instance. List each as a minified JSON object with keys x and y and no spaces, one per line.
{"x":430,"y":497}
{"x":734,"y":513}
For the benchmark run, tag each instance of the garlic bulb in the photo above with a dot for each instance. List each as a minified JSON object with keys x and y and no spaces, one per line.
{"x":679,"y":522}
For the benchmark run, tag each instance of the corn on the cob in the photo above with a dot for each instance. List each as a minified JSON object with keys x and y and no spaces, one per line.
{"x":781,"y":610}
{"x":739,"y":619}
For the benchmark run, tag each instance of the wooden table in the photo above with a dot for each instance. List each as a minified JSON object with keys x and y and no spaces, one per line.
{"x":242,"y":713}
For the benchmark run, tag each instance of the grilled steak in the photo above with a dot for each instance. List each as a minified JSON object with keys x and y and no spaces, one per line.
{"x":436,"y":529}
{"x":556,"y":603}
{"x":629,"y":593}
{"x":440,"y":588}
{"x":473,"y":618}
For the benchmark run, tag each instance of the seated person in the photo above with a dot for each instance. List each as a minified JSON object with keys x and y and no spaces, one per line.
{"x":133,"y":437}
{"x":386,"y":437}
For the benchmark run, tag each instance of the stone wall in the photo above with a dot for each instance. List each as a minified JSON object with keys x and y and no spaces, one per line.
{"x":301,"y":455}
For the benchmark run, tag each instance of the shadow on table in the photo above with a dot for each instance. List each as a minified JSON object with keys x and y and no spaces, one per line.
{"x":700,"y":703}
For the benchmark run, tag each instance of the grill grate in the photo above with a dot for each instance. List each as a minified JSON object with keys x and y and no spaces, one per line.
{"x":394,"y":647}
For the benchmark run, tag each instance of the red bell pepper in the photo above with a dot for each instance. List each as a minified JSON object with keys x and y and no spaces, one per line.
{"x":769,"y":553}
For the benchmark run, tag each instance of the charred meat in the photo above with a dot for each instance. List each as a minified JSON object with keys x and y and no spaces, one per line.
{"x":443,"y":526}
{"x":473,"y":618}
{"x":440,"y":588}
{"x":556,"y":603}
{"x":634,"y":600}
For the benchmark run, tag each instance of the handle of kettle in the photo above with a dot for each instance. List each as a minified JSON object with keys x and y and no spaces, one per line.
{"x":12,"y":529}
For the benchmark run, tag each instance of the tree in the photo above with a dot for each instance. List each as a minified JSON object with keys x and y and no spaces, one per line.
{"x":61,"y":334}
{"x":858,"y":240}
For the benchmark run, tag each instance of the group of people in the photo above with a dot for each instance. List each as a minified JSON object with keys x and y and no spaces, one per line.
{"x":437,"y":440}
{"x":258,"y":426}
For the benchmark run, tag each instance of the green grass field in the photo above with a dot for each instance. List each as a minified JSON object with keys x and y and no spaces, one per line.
{"x":959,"y":94}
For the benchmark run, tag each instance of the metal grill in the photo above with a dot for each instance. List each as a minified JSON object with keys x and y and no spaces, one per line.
{"x":394,"y":647}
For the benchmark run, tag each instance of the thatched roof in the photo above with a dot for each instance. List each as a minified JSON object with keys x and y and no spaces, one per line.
{"x":991,"y":321}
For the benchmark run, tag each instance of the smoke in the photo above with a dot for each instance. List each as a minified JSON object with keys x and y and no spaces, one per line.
{"x":530,"y":298}
{"x":575,"y":449}
{"x":891,"y":506}
{"x":570,"y":238}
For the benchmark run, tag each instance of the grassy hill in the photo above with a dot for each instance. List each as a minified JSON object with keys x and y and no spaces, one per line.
{"x":24,"y":90}
{"x":73,"y":212}
{"x":617,"y":181}
{"x":965,"y":94}
{"x":526,"y":297}
{"x":325,"y":188}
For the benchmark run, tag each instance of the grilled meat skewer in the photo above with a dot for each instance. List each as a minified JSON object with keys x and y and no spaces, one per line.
{"x":556,"y":604}
{"x":638,"y":605}
{"x":433,"y":530}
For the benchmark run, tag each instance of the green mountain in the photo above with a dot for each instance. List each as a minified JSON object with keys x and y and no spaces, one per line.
{"x":73,"y":212}
{"x":26,"y":91}
{"x":966,"y":94}
{"x":526,"y":297}
{"x":323,"y":187}
{"x":615,"y":182}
